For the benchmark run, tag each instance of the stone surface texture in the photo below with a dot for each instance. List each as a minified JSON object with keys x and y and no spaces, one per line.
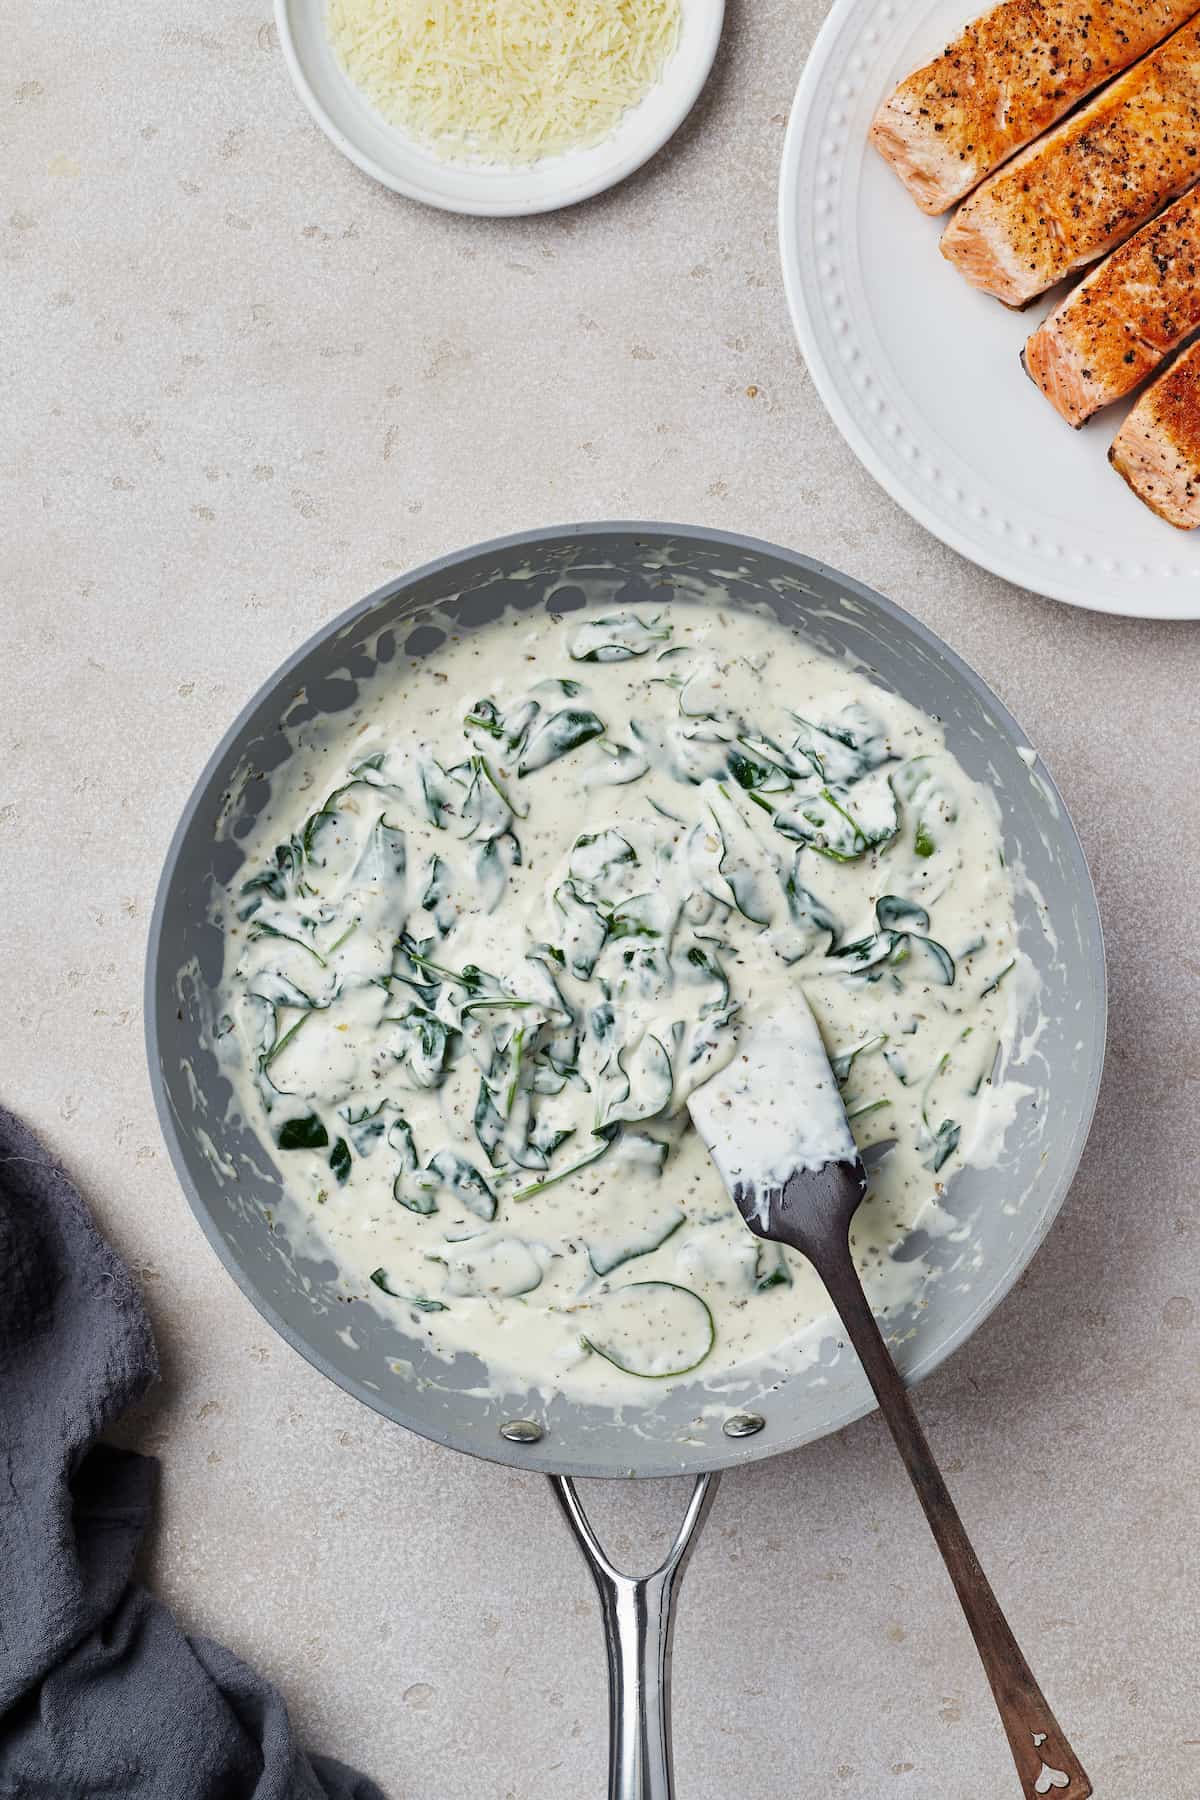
{"x":243,"y":386}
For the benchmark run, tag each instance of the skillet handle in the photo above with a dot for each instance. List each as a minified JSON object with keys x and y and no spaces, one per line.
{"x":638,"y":1615}
{"x":1046,"y":1763}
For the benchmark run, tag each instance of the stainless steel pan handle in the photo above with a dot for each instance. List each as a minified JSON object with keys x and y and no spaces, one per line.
{"x":639,"y":1614}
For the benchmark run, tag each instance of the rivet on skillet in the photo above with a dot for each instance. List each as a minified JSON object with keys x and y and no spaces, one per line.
{"x":743,"y":1425}
{"x":522,"y":1431}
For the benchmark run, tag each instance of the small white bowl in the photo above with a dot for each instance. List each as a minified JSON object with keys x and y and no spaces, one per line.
{"x":350,"y":121}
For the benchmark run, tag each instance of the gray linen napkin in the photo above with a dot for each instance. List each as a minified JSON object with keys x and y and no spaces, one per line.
{"x":101,"y":1693}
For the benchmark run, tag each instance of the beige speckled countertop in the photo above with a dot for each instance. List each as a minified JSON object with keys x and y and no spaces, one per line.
{"x":242,"y":387}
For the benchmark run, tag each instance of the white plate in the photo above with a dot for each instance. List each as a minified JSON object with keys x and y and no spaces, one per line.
{"x":349,"y":120}
{"x":920,"y":371}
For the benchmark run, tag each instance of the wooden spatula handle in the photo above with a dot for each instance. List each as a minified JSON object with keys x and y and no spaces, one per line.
{"x":1045,"y":1761}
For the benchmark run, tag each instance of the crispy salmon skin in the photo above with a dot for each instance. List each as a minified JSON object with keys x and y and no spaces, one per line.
{"x":1005,"y":79}
{"x":1157,"y":450}
{"x":1116,"y":327}
{"x":1085,"y":186}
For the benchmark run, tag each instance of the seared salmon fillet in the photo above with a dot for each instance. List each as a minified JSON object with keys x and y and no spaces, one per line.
{"x":1084,"y":187}
{"x":1003,"y":81}
{"x":1122,"y":320}
{"x":1157,"y":449}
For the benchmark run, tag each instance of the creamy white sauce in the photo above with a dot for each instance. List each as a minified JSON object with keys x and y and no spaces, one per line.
{"x":774,"y":1110}
{"x":493,"y":931}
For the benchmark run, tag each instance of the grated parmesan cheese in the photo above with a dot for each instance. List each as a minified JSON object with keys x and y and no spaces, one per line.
{"x":503,"y":80}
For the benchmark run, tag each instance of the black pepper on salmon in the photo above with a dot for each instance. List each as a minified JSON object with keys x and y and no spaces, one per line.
{"x":1087,"y":185}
